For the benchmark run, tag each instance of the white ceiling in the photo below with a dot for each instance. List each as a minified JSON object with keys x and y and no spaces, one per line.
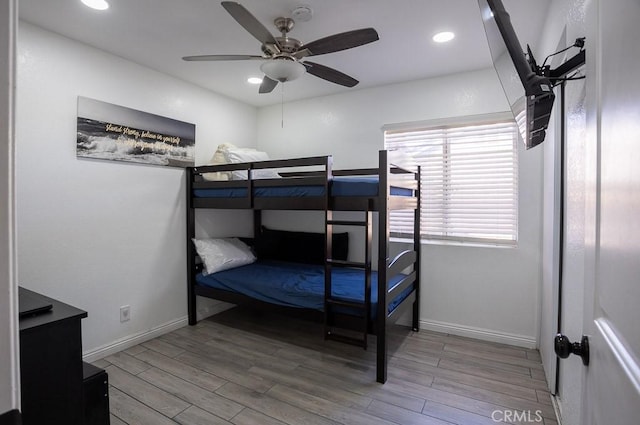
{"x":157,"y":33}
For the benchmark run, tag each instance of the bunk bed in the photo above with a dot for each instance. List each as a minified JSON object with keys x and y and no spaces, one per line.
{"x":366,"y":304}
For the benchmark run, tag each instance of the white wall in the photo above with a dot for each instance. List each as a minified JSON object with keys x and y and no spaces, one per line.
{"x":9,"y":385}
{"x":102,"y":234}
{"x":490,"y":293}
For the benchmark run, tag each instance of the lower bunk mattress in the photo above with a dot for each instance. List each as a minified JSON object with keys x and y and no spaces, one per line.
{"x":299,"y":285}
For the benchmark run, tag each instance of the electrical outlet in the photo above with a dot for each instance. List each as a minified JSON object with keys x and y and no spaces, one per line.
{"x":125,"y":315}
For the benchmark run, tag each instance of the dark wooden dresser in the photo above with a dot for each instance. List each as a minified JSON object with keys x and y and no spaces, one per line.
{"x":51,"y":364}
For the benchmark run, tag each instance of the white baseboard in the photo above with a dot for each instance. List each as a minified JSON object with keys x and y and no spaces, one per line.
{"x":557,"y":408}
{"x":131,"y":340}
{"x":139,"y":338}
{"x":479,"y":333}
{"x":432,"y":325}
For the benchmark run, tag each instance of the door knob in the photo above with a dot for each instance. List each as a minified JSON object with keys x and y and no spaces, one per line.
{"x":563,"y":348}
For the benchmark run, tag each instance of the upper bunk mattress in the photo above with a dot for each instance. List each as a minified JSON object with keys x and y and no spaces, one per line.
{"x":340,"y":186}
{"x":298,"y":285}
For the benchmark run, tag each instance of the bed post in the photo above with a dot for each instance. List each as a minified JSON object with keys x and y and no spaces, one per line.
{"x":417,"y":247}
{"x":383,"y":265}
{"x":191,"y":253}
{"x":257,"y":224}
{"x":328,"y":246}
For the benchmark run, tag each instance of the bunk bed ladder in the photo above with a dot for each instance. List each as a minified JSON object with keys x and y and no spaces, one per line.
{"x":335,"y":305}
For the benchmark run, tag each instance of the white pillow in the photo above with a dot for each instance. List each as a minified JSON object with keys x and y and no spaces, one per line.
{"x":223,"y":254}
{"x":238,"y":155}
{"x":219,"y":157}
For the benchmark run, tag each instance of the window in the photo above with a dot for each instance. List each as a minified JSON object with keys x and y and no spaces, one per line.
{"x":469,"y":180}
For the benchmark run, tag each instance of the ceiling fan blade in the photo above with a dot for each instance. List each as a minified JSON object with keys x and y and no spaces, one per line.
{"x":330,"y":74}
{"x":220,"y":58}
{"x":342,"y":41}
{"x":267,"y":85}
{"x":249,"y":22}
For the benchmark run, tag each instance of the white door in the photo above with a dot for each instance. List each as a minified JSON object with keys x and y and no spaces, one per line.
{"x":611,"y":390}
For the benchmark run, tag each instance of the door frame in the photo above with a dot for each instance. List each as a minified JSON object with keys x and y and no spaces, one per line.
{"x":9,"y":349}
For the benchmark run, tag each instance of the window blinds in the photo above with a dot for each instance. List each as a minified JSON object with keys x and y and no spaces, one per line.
{"x":469,"y":183}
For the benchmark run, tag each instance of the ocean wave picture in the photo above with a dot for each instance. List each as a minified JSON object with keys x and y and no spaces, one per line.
{"x":111,"y":132}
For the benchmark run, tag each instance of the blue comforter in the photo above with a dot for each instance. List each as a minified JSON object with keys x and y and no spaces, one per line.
{"x":297,"y":285}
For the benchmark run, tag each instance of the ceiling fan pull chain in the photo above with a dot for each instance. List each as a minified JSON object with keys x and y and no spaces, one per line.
{"x":282,"y":106}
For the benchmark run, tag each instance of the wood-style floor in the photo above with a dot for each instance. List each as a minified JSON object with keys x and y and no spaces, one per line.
{"x":245,"y":368}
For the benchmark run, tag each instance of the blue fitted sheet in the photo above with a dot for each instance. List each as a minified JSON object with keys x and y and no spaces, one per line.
{"x":298,"y":285}
{"x":362,"y":186}
{"x":341,"y":186}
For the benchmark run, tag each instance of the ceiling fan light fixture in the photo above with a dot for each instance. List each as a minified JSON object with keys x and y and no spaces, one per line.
{"x":254,"y":80}
{"x":96,"y":4}
{"x":283,"y":69}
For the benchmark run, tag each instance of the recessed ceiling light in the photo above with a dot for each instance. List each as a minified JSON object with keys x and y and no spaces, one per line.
{"x":443,"y":37}
{"x":96,"y":4}
{"x":302,"y":13}
{"x":254,"y":80}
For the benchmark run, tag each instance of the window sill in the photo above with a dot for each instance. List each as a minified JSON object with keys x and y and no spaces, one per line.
{"x":455,"y":243}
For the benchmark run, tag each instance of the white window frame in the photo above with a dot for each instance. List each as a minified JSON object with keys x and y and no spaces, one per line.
{"x":454,"y":134}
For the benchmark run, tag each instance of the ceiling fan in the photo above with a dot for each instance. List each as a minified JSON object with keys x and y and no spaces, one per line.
{"x":283,"y":54}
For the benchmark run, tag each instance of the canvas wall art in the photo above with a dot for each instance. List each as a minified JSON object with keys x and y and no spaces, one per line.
{"x":112,"y":132}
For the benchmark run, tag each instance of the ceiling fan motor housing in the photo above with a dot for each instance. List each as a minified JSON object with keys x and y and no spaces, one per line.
{"x":288,"y":45}
{"x":284,"y":25}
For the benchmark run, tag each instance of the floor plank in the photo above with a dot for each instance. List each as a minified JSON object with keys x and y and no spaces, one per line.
{"x":127,"y":362}
{"x":504,"y":400}
{"x":271,"y":406}
{"x":323,"y":407}
{"x":182,"y":370}
{"x":454,"y":415}
{"x":131,"y":411}
{"x":251,"y":417}
{"x":114,"y":420}
{"x":163,"y":347}
{"x":402,"y":416}
{"x":312,"y":387}
{"x":152,"y":396}
{"x":205,"y":400}
{"x":243,"y":368}
{"x":196,"y":416}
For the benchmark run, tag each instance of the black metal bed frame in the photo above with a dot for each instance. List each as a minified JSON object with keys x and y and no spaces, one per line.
{"x":391,"y":171}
